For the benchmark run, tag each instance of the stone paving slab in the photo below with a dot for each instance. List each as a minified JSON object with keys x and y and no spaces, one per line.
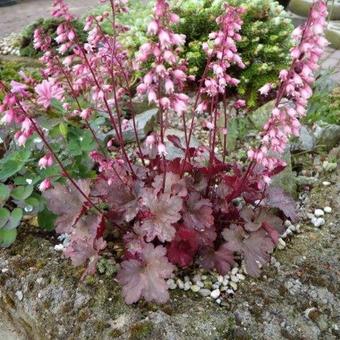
{"x":15,"y":18}
{"x":331,"y":61}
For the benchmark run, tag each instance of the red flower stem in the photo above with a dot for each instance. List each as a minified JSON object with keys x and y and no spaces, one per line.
{"x":121,"y":141}
{"x":225,"y":127}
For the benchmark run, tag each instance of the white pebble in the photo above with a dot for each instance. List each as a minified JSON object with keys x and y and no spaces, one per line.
{"x":234,"y":271}
{"x":287,"y":223}
{"x":233,"y":285}
{"x":59,"y":247}
{"x":225,"y":283}
{"x":187,"y":286}
{"x":327,"y":210}
{"x":241,"y":277}
{"x":180,"y":284}
{"x":195,"y":288}
{"x":171,"y":284}
{"x":318,"y":222}
{"x":292,"y":227}
{"x":204,"y":277}
{"x":230,"y":291}
{"x":319,"y":212}
{"x":205,"y":292}
{"x":220,"y":278}
{"x":234,"y":278}
{"x":19,"y":295}
{"x":200,"y":284}
{"x":326,"y":183}
{"x":216,"y":285}
{"x":40,"y":280}
{"x":282,"y":244}
{"x":4,"y":270}
{"x":218,"y":301}
{"x":215,"y":293}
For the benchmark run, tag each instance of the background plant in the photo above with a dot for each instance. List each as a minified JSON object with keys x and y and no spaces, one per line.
{"x":191,"y":208}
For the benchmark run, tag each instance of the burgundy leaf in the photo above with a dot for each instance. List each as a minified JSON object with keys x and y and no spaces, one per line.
{"x":174,"y":185}
{"x":234,"y":236}
{"x":278,"y":198}
{"x":184,"y":247}
{"x":84,"y":243}
{"x":198,"y":212}
{"x":66,"y":202}
{"x":221,"y":259}
{"x":165,"y":211}
{"x":146,"y":277}
{"x":256,"y":250}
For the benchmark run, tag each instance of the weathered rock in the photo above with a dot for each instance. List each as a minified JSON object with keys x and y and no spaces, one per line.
{"x":287,"y":178}
{"x":172,"y":150}
{"x":302,"y":7}
{"x":145,"y":123}
{"x":327,"y":136}
{"x":260,"y":116}
{"x":333,"y":33}
{"x":305,"y":142}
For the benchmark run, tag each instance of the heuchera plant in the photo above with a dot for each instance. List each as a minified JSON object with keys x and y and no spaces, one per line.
{"x":169,"y":211}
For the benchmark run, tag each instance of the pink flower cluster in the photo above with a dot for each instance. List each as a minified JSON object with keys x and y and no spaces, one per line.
{"x":223,"y":52}
{"x":295,"y":89}
{"x":163,"y":84}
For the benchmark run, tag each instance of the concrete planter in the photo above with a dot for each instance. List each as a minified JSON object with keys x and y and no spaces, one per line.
{"x":302,"y":7}
{"x":4,"y":3}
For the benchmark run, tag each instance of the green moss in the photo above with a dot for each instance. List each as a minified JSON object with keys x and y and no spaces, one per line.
{"x":115,"y":333}
{"x":10,"y":67}
{"x":141,"y":330}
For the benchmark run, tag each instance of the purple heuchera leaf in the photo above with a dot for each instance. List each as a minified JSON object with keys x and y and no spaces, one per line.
{"x":84,"y":243}
{"x":254,"y":220}
{"x":278,"y":198}
{"x":121,"y":198}
{"x":165,"y":211}
{"x":174,"y":185}
{"x":221,"y":259}
{"x":198,"y":213}
{"x":66,"y":202}
{"x":255,"y":247}
{"x":146,"y":277}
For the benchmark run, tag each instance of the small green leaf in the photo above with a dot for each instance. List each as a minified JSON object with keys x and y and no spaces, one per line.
{"x":4,"y":217}
{"x":4,"y":193}
{"x":10,"y":168}
{"x":63,"y":129}
{"x":15,"y":219}
{"x":21,"y":193}
{"x":7,"y":237}
{"x":46,"y":220}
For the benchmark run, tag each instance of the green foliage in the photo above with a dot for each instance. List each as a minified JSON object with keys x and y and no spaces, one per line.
{"x":325,"y":103}
{"x":9,"y":69}
{"x":49,"y":26}
{"x":264,"y":47}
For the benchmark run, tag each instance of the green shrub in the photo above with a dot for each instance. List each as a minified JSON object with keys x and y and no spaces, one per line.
{"x":49,"y":26}
{"x":264,"y":46}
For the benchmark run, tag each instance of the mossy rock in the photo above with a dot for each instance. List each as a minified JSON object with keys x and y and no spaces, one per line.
{"x":302,"y":7}
{"x":333,"y":34}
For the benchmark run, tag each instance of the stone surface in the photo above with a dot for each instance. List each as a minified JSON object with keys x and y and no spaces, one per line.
{"x":327,"y":136}
{"x":145,"y":123}
{"x":302,"y":7}
{"x":15,"y":18}
{"x":333,"y":33}
{"x":57,"y":305}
